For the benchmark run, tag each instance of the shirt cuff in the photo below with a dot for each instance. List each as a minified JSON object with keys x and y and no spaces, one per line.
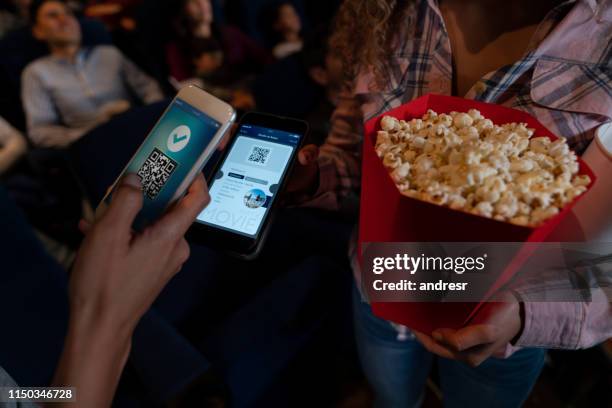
{"x":506,"y":351}
{"x":550,"y":324}
{"x":328,"y":180}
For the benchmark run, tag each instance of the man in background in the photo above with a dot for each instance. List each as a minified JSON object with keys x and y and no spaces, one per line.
{"x":76,"y":88}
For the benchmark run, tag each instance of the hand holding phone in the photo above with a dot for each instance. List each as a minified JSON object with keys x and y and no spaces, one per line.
{"x":116,"y":277}
{"x":175,"y":151}
{"x":304,"y":179}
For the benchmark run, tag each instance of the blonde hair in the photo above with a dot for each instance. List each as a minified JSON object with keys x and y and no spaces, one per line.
{"x":364,"y":35}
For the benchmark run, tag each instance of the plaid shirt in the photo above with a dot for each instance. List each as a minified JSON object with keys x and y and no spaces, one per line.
{"x":564,"y":80}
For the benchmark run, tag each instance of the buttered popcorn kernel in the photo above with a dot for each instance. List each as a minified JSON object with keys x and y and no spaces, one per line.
{"x":466,"y":162}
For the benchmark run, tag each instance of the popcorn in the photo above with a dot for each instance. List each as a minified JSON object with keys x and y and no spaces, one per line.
{"x":462,"y":120}
{"x":558,"y":148}
{"x":483,"y":208}
{"x":522,"y":165}
{"x":389,"y":123}
{"x":401,"y":173}
{"x":466,"y":162}
{"x":581,"y":181}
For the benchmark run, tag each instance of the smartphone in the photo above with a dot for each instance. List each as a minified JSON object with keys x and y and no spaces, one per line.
{"x":175,"y":151}
{"x":246,"y":184}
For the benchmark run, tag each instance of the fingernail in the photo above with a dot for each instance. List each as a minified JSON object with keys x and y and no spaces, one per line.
{"x":132,"y":180}
{"x":437,"y":336}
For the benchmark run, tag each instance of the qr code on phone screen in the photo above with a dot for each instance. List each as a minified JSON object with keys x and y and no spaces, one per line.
{"x":155,"y":172}
{"x":259,"y":155}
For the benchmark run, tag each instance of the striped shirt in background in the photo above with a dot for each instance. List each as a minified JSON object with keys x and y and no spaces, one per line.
{"x":64,"y":99}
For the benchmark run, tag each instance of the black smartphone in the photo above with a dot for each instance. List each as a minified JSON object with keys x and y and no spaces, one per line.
{"x":244,"y":187}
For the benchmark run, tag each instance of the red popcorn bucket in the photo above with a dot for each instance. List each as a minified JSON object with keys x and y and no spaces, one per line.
{"x":388,"y":216}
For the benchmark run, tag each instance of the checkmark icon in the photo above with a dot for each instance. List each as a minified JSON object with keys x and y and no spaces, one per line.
{"x":178,"y":138}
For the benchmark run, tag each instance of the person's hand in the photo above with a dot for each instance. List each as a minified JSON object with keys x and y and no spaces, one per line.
{"x":243,"y":100}
{"x":304,"y":180}
{"x":118,"y":273}
{"x":128,"y":23}
{"x":103,"y":10}
{"x":227,"y":137}
{"x":110,"y":109}
{"x":495,"y":325}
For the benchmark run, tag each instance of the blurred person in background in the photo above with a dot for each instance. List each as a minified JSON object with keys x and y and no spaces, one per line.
{"x":283,"y":26}
{"x":14,"y":15}
{"x":115,"y":14}
{"x":121,"y":19}
{"x":212,"y":75}
{"x":13,"y":146}
{"x":76,"y":88}
{"x":324,"y":69}
{"x":194,"y":22}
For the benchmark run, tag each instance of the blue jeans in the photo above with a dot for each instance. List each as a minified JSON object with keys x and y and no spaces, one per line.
{"x":397,"y":369}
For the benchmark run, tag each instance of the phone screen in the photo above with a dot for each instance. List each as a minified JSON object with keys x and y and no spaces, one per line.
{"x":245,"y":186}
{"x":168,"y":155}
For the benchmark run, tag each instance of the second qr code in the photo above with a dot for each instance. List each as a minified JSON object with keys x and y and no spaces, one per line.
{"x":259,"y":155}
{"x":155,"y":172}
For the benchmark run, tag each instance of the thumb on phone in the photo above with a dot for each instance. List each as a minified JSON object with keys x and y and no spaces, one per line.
{"x":308,"y":154}
{"x":125,"y":204}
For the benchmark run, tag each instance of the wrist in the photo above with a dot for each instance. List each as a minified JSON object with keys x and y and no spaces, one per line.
{"x":93,"y":358}
{"x":88,"y":320}
{"x":521,"y":316}
{"x":316,"y":183}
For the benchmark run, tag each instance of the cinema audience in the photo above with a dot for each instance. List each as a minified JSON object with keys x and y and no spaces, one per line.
{"x":283,"y":25}
{"x":194,"y":22}
{"x":76,"y":88}
{"x":212,"y":75}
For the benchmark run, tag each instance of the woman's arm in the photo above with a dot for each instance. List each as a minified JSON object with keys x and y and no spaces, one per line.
{"x":116,"y":277}
{"x":92,"y":360}
{"x":326,"y":177}
{"x":564,"y":325}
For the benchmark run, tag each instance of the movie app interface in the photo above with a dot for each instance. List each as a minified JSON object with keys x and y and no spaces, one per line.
{"x":248,"y":179}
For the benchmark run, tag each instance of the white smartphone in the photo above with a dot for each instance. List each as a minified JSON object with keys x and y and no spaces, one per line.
{"x":175,"y":151}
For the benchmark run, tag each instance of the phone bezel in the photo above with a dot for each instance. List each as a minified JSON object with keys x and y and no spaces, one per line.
{"x":233,"y":242}
{"x":218,"y":110}
{"x":204,"y":102}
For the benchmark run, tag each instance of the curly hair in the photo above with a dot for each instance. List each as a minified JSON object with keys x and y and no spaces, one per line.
{"x":364,"y":34}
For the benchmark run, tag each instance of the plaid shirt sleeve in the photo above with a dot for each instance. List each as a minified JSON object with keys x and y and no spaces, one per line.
{"x":550,"y":321}
{"x":565,"y":325}
{"x":340,"y":157}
